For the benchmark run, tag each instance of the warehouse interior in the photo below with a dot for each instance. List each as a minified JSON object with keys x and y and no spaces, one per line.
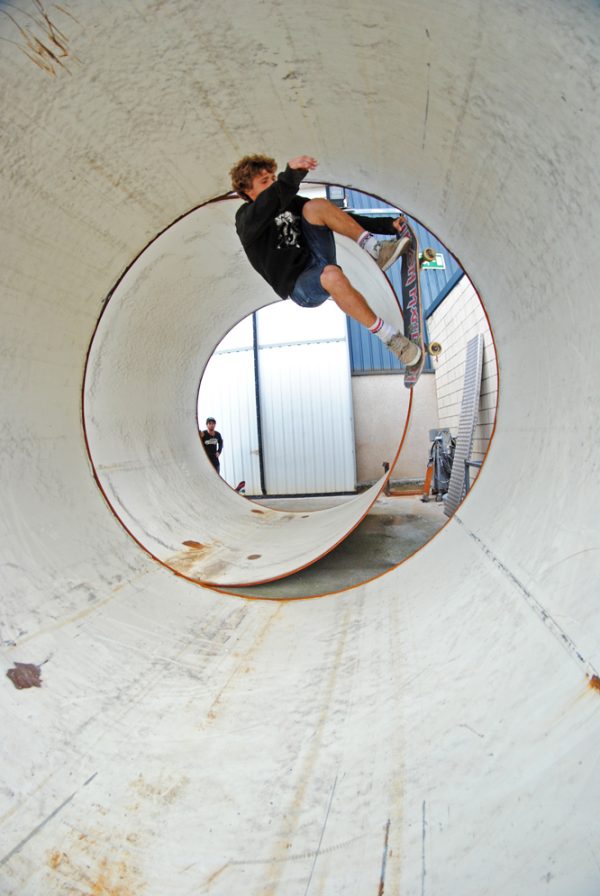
{"x":432,"y":731}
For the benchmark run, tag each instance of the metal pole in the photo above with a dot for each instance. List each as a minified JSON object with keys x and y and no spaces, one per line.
{"x":261,"y":464}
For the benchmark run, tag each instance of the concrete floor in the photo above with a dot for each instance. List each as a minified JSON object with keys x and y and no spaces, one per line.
{"x":394,"y":528}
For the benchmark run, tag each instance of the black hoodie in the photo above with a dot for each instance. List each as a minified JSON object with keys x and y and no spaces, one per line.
{"x":270,"y":231}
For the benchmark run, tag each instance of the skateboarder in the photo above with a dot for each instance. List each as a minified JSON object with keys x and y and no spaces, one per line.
{"x":289,"y":240}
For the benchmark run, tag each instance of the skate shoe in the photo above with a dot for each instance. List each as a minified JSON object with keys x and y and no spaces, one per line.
{"x":406,"y":351}
{"x":386,"y":252}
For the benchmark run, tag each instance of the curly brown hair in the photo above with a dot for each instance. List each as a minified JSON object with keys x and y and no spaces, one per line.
{"x":243,"y":172}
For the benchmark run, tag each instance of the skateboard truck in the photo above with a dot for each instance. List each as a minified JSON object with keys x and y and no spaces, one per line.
{"x":429,"y":254}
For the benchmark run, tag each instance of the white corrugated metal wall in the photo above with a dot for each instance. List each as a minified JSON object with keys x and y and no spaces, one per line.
{"x":305,"y":402}
{"x":227,"y":393}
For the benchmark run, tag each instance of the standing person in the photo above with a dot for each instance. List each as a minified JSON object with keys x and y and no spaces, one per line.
{"x":213,"y":442}
{"x":289,"y":240}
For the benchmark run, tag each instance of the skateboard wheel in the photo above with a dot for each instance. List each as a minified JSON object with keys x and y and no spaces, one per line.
{"x":434,"y":349}
{"x":429,"y":254}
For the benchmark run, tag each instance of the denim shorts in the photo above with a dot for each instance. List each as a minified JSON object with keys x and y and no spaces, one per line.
{"x":307,"y":290}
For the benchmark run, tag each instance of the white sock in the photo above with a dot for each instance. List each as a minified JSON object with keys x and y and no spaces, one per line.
{"x":382,"y":330}
{"x":369,"y":243}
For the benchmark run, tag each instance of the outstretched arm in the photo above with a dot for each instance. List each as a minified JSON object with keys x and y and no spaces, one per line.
{"x":254,"y":217}
{"x":307,"y":163}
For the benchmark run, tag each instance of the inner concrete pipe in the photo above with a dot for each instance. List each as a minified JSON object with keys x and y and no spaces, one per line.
{"x":141,"y":383}
{"x":431,"y":732}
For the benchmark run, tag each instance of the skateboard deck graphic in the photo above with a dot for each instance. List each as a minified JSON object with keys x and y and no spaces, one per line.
{"x":412,"y":310}
{"x":411,"y":301}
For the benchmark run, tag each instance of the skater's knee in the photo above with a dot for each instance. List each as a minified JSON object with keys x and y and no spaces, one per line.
{"x":332,"y":278}
{"x":314,"y":210}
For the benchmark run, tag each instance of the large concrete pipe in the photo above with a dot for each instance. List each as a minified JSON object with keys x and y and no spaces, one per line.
{"x":432,"y":732}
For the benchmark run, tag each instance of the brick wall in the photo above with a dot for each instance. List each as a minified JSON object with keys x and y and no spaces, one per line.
{"x":458,"y":319}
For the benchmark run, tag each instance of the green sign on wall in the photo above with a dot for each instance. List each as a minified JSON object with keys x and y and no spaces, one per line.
{"x":438,"y":265}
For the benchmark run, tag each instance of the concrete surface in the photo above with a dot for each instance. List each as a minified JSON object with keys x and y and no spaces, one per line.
{"x":433,"y":732}
{"x":394,"y":528}
{"x":377,"y":427}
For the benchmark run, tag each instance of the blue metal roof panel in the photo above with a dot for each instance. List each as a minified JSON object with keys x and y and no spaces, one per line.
{"x":367,"y":352}
{"x":432,"y":281}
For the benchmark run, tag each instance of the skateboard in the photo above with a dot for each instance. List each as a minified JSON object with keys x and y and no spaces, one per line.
{"x":412,"y":310}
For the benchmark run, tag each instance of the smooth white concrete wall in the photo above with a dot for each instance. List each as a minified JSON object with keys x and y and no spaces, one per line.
{"x":437,"y":729}
{"x":381,"y":405}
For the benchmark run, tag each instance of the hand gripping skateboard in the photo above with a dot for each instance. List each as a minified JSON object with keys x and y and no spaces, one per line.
{"x":412,"y":310}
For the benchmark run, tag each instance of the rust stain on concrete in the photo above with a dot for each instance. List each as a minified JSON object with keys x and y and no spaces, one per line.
{"x":185,"y":562}
{"x":112,"y":880}
{"x":55,"y":859}
{"x":253,"y":556}
{"x":40,"y":39}
{"x":25,"y":675}
{"x":108,"y":878}
{"x":332,"y":663}
{"x":595,"y":682}
{"x":215,"y":874}
{"x":243,"y":665}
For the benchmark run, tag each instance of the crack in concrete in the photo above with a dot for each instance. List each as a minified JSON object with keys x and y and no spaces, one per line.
{"x":551,"y":624}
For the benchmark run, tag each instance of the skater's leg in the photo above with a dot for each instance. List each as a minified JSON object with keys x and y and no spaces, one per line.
{"x":354,"y":304}
{"x":323,"y":278}
{"x":346,"y":297}
{"x":323,"y":213}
